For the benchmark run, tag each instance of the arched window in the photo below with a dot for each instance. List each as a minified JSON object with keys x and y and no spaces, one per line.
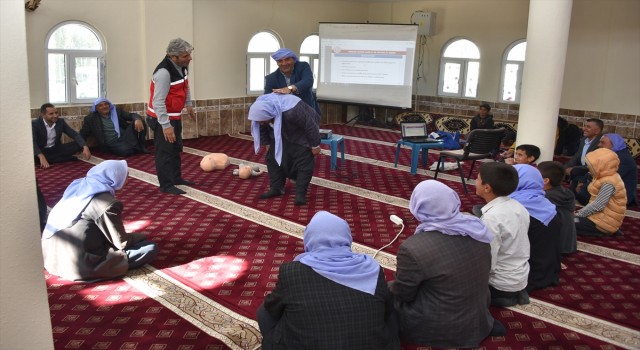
{"x":459,"y":69}
{"x":309,"y":52}
{"x":512,"y":65}
{"x":259,"y":61}
{"x":75,"y":64}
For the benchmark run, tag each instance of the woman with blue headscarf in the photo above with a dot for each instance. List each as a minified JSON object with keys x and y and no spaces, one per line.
{"x":290,"y":130}
{"x":292,"y":77}
{"x":84,"y":238}
{"x":329,"y":297}
{"x":544,"y":228}
{"x":441,"y":286}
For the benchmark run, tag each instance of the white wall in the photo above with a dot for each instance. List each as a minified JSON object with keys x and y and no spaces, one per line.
{"x":603,"y":58}
{"x":24,"y":312}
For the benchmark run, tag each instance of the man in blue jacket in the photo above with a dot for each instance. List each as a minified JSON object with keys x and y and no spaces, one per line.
{"x":291,"y":77}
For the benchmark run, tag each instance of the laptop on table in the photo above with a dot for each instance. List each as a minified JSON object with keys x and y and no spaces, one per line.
{"x":416,"y":132}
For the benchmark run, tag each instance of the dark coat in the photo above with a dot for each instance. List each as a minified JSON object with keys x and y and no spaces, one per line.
{"x":441,"y":290}
{"x":480,"y":123}
{"x":92,"y":126}
{"x":575,"y":160}
{"x":565,"y":203}
{"x":317,"y":313}
{"x":39,"y":133}
{"x":93,"y":247}
{"x":544,"y":260}
{"x":301,"y":77}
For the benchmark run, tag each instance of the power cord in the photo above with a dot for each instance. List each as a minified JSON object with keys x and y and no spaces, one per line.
{"x":396,"y":220}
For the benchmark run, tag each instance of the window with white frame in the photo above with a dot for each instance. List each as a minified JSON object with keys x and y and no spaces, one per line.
{"x":75,"y":64}
{"x":309,"y":52}
{"x":512,"y":65}
{"x":259,"y":61}
{"x":459,"y":69}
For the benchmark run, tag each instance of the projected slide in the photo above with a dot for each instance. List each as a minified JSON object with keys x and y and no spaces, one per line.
{"x":372,"y":62}
{"x":369,"y":64}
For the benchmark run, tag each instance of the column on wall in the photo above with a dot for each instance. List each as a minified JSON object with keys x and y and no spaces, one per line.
{"x":547,"y":36}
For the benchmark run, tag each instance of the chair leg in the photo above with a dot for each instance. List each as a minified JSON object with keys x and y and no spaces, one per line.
{"x":471,"y":169}
{"x":397,"y":155}
{"x":440,"y":159}
{"x":464,"y":184}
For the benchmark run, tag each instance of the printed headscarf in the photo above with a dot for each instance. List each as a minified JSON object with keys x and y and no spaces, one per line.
{"x":284,"y":53}
{"x":437,"y":207}
{"x":112,"y":113}
{"x":107,"y":176}
{"x":530,"y":193}
{"x":266,"y":108}
{"x":327,"y":246}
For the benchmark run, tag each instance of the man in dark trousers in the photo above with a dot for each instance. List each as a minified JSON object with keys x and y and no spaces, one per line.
{"x":115,"y":130}
{"x":290,"y":129}
{"x":169,"y":95}
{"x":47,"y":133}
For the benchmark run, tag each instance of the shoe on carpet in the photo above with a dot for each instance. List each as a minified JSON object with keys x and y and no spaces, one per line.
{"x":272,"y":193}
{"x":185,"y":182}
{"x":504,"y":302}
{"x":523,"y":297}
{"x":498,"y":329}
{"x":300,"y":200}
{"x":144,"y":150}
{"x":172,"y":190}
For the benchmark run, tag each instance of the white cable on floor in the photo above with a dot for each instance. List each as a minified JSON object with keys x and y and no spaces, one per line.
{"x":396,"y":220}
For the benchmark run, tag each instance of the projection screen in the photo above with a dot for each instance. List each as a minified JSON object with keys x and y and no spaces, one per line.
{"x":367,"y":64}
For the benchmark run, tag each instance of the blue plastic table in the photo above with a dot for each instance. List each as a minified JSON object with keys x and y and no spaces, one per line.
{"x":334,"y":142}
{"x":415,"y":151}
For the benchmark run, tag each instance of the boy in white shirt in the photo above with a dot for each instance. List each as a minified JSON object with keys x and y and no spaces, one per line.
{"x":509,"y":221}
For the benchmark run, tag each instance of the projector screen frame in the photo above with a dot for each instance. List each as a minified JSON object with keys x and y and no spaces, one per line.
{"x":369,"y":46}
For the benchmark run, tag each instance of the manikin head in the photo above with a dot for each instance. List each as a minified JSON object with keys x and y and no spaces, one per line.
{"x":214,"y":161}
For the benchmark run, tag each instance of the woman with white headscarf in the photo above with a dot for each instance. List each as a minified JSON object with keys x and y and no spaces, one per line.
{"x":441,"y":287}
{"x":290,"y":130}
{"x":84,"y":238}
{"x":329,"y":297}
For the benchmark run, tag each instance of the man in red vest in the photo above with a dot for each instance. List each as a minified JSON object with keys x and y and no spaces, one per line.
{"x":169,"y":95}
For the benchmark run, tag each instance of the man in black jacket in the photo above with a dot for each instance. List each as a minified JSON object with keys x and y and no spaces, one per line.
{"x":115,"y":130}
{"x":47,"y":133}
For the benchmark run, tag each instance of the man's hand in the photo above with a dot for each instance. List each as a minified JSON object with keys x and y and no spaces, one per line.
{"x":138,"y":125}
{"x":284,"y":90}
{"x":192,"y":113}
{"x":169,"y":134}
{"x":44,"y":163}
{"x":86,"y":153}
{"x":315,"y":150}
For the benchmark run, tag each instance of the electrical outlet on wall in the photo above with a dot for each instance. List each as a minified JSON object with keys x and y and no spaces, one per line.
{"x":426,"y":22}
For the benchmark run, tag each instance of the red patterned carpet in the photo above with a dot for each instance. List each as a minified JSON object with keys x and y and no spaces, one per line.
{"x":221,"y":248}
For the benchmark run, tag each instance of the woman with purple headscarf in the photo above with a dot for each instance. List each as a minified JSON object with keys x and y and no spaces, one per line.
{"x":627,"y":169}
{"x":84,"y":238}
{"x":292,"y":77}
{"x":544,"y":228}
{"x":329,"y":297}
{"x":441,"y":292}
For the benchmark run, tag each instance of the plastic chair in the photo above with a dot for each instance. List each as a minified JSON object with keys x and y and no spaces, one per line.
{"x":481,"y":144}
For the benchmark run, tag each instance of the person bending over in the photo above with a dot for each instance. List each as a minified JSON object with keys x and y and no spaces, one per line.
{"x":440,"y":289}
{"x":290,"y":130}
{"x":84,"y":238}
{"x":329,"y":297}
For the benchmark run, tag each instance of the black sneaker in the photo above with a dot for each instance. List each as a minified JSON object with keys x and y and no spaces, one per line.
{"x":185,"y":182}
{"x":523,"y":297}
{"x":172,"y":190}
{"x":300,"y":200}
{"x":272,"y":193}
